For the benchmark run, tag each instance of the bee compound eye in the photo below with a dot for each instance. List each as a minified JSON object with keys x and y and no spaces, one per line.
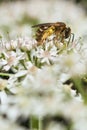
{"x":67,"y":32}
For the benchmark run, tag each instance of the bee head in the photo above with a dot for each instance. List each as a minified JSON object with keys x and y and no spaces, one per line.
{"x":67,"y":32}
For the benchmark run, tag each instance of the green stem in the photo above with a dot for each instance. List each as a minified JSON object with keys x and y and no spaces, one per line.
{"x":34,"y":123}
{"x":78,"y":83}
{"x":22,"y":62}
{"x":30,"y":123}
{"x":6,"y":74}
{"x":40,"y":124}
{"x":29,"y":55}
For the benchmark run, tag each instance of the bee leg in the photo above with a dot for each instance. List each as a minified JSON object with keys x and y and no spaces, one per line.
{"x":72,"y":36}
{"x":55,"y":39}
{"x":39,"y":43}
{"x":49,"y":40}
{"x":69,"y":39}
{"x":62,"y":38}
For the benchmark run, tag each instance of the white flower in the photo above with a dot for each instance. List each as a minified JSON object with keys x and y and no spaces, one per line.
{"x":3,"y":98}
{"x":26,"y":43}
{"x":53,"y":125}
{"x":48,"y":54}
{"x":3,"y":84}
{"x":12,"y":59}
{"x":74,"y":64}
{"x":7,"y":125}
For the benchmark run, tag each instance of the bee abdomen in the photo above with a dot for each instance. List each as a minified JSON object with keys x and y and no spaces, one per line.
{"x":39,"y":34}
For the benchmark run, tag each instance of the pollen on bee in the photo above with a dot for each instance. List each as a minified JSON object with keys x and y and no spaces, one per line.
{"x":51,"y":30}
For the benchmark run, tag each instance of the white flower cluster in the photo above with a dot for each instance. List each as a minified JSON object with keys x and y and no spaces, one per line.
{"x":42,"y":87}
{"x":35,"y":83}
{"x":17,"y":17}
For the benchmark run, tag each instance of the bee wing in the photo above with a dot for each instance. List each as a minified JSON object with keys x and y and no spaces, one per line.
{"x":43,"y":25}
{"x":60,"y":24}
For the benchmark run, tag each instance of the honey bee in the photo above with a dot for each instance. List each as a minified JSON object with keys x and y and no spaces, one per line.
{"x":58,"y":29}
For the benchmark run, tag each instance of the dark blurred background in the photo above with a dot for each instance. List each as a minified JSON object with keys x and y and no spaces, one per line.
{"x":17,"y":16}
{"x":81,"y":2}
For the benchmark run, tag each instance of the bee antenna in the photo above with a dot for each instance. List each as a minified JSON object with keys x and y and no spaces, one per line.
{"x":72,"y":36}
